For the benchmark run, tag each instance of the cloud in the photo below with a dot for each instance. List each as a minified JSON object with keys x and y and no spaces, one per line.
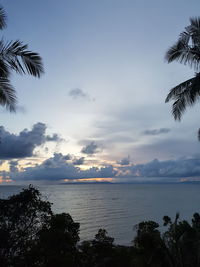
{"x":78,"y":161}
{"x":54,"y":138}
{"x":165,"y":149}
{"x":13,"y":166}
{"x":156,"y":131}
{"x":58,"y":168}
{"x":90,"y":149}
{"x":57,"y":159}
{"x":124,"y":161}
{"x":77,"y":93}
{"x":170,"y":168}
{"x":23,"y":144}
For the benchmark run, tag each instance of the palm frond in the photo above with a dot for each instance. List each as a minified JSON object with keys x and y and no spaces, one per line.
{"x":18,"y":58}
{"x":187,"y":49}
{"x":2,"y":18}
{"x":184,"y":54}
{"x":178,"y":108}
{"x":33,"y":63}
{"x":187,"y":98}
{"x":185,"y":94}
{"x":7,"y":95}
{"x":194,"y":31}
{"x":175,"y":91}
{"x":195,"y":23}
{"x":199,"y":134}
{"x":185,"y":37}
{"x":4,"y":69}
{"x":175,"y":52}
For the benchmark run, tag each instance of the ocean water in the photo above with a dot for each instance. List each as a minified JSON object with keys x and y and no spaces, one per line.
{"x":118,"y":207}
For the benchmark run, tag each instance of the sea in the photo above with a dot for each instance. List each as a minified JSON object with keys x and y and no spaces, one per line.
{"x":118,"y":208}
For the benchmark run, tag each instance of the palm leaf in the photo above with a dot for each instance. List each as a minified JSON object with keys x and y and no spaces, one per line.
{"x":194,"y":27}
{"x":184,"y":94}
{"x":178,"y":108}
{"x":187,"y":49}
{"x":18,"y":58}
{"x":195,"y":22}
{"x":4,"y":69}
{"x":184,"y":54}
{"x":2,"y":18}
{"x":7,"y":95}
{"x":177,"y":90}
{"x":33,"y":63}
{"x":193,"y":31}
{"x":199,"y":134}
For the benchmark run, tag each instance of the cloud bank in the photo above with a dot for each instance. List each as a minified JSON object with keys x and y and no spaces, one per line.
{"x":58,"y":168}
{"x":171,"y":168}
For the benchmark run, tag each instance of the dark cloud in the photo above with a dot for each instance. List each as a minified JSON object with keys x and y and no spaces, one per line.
{"x":78,"y":161}
{"x":90,"y":149}
{"x":156,"y":131}
{"x":53,"y":138}
{"x":124,"y":161}
{"x":57,"y":159}
{"x":58,"y":168}
{"x":171,"y":168}
{"x":77,"y":93}
{"x":23,"y":144}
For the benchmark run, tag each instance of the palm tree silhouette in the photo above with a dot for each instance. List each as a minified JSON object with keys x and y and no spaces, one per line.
{"x":187,"y":51}
{"x":14,"y":56}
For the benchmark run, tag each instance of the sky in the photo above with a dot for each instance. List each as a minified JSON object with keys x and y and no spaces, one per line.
{"x":99,"y":110}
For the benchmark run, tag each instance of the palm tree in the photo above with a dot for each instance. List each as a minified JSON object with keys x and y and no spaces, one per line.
{"x":14,"y":56}
{"x":187,"y":51}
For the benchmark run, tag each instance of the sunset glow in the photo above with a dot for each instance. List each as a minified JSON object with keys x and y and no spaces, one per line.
{"x":90,"y":180}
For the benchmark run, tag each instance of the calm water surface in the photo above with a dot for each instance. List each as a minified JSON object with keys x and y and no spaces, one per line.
{"x":118,"y":207}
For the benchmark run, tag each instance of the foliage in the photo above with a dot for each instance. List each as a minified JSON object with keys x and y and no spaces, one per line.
{"x":186,"y":51}
{"x":31,"y":235}
{"x":15,"y":56}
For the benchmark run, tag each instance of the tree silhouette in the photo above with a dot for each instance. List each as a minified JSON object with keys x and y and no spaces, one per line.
{"x":32,"y":235}
{"x":14,"y":56}
{"x":22,"y":217}
{"x":186,"y":51}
